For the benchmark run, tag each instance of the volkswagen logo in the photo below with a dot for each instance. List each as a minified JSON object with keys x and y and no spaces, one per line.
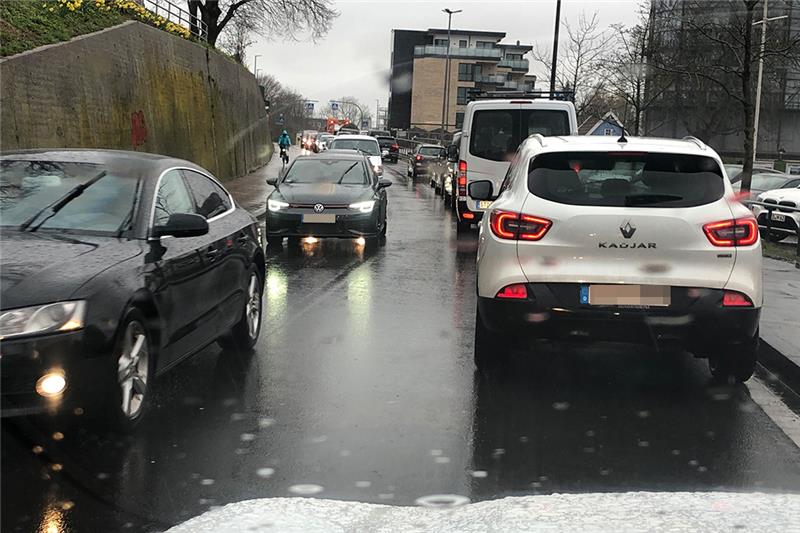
{"x":627,"y":229}
{"x":319,"y":208}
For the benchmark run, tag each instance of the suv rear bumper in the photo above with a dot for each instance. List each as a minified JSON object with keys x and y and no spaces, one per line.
{"x":695,"y":321}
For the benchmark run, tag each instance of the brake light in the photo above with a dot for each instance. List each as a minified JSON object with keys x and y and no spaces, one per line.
{"x":517,"y":291}
{"x":735,"y":299}
{"x":419,"y":157}
{"x":468,"y":215}
{"x":395,"y":147}
{"x":515,"y":226}
{"x":462,"y":178}
{"x":737,"y":232}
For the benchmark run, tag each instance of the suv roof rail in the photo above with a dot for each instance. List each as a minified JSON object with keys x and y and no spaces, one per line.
{"x":568,"y":96}
{"x":539,"y":137}
{"x":691,"y":138}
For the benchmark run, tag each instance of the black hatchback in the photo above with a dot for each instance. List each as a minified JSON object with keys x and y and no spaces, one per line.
{"x":116,"y":266}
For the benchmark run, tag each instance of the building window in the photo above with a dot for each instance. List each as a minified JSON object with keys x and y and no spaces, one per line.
{"x":608,"y":131}
{"x":462,"y":43}
{"x":484,"y":44}
{"x":467,"y":71}
{"x":461,"y":97}
{"x":440,"y":42}
{"x":459,"y":119}
{"x":509,"y":76}
{"x":513,"y":57}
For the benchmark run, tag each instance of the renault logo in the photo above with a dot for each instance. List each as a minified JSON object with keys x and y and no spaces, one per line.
{"x":319,"y":208}
{"x":627,"y":229}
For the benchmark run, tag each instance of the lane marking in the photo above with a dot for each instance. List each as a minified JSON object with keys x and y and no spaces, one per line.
{"x":775,"y":409}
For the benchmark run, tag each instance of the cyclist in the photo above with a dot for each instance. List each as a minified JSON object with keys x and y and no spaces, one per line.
{"x":284,"y":142}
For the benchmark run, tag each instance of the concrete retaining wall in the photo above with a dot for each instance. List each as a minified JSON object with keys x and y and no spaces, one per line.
{"x":134,"y":87}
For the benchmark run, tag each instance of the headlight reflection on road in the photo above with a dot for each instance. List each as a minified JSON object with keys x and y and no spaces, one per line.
{"x":359,"y":285}
{"x":276,"y":288}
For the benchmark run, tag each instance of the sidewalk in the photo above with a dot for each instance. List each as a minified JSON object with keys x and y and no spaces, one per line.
{"x":251,"y":191}
{"x":780,"y":316}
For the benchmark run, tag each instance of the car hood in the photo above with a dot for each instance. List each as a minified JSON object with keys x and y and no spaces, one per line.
{"x":321,"y":193}
{"x":782,"y":194}
{"x":40,"y":267}
{"x":633,"y":511}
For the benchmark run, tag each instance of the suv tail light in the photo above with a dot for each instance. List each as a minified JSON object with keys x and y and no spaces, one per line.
{"x":737,"y":232}
{"x":517,"y":291}
{"x":395,"y":147}
{"x":515,"y":226}
{"x":735,"y":299}
{"x":418,"y":158}
{"x":462,"y":178}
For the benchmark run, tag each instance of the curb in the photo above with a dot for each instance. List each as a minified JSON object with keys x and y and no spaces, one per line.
{"x":784,"y":368}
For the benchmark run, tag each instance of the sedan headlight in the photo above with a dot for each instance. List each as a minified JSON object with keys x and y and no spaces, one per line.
{"x":364,"y":207}
{"x":276,"y":205}
{"x":61,"y":316}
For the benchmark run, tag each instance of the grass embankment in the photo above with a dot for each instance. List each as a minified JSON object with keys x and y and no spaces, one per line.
{"x":26,"y":24}
{"x":779,"y":250}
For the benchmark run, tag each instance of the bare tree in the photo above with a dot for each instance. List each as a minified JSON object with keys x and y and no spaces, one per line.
{"x":713,"y":65}
{"x":285,"y":18}
{"x":350,"y":108}
{"x":578,"y":62}
{"x":286,"y":104}
{"x":236,"y":38}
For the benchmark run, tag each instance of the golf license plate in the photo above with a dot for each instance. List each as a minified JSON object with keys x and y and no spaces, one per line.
{"x":626,"y":295}
{"x":484,"y":204}
{"x":315,"y":218}
{"x":778,"y":217}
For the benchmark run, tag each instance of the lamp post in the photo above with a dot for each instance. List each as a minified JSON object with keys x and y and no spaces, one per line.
{"x":255,"y":64}
{"x":377,"y":113}
{"x":555,"y":50}
{"x":446,"y":94}
{"x":763,"y":23}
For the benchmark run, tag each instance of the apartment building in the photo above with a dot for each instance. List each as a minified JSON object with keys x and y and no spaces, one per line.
{"x":478,"y":61}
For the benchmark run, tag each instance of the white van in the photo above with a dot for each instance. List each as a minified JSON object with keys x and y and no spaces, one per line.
{"x":492,"y":131}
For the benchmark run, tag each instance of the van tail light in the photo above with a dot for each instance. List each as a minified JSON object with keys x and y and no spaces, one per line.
{"x":395,"y":147}
{"x":419,"y":157}
{"x":517,"y":291}
{"x":736,"y":232}
{"x":462,"y":178}
{"x":515,"y":226}
{"x":735,"y":299}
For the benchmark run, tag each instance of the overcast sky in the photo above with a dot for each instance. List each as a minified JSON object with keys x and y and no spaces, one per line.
{"x":353,"y":59}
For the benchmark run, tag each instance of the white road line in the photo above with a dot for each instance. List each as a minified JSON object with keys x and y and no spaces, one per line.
{"x":774,"y":407}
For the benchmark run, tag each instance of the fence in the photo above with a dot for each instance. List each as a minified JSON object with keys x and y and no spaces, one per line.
{"x":178,"y":15}
{"x":783,"y":224}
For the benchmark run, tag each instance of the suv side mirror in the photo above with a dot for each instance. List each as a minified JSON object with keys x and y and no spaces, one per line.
{"x":452,"y":153}
{"x":383,"y":183}
{"x":481,"y":190}
{"x":182,"y":225}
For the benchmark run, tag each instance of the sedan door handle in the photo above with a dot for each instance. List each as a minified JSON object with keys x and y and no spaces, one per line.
{"x":211,"y":252}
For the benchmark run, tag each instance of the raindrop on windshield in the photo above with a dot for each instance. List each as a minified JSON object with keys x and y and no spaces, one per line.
{"x":479,"y":473}
{"x":247,"y":437}
{"x":207,"y":481}
{"x":561,"y":406}
{"x":265,"y":422}
{"x":265,"y":472}
{"x":363,"y":484}
{"x":305,"y":489}
{"x":442,"y":500}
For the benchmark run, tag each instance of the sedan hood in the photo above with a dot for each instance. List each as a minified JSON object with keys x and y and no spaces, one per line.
{"x":782,"y":194}
{"x":40,"y":267}
{"x":322,"y":193}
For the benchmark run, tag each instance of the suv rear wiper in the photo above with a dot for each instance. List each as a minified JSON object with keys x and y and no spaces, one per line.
{"x":640,"y":199}
{"x":60,"y":203}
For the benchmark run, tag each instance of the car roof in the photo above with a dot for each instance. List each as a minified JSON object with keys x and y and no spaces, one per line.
{"x":501,"y":103}
{"x":428,"y":145}
{"x":344,"y":155}
{"x":140,"y":164}
{"x":356,"y":137}
{"x":600,"y":143}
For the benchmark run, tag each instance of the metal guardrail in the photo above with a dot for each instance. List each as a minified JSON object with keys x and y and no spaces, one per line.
{"x":771,"y":207}
{"x":178,"y":15}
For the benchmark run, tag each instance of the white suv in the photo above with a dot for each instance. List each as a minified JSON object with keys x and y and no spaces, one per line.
{"x":637,"y":240}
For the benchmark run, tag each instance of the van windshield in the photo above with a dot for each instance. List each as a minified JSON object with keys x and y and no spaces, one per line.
{"x":497,"y":133}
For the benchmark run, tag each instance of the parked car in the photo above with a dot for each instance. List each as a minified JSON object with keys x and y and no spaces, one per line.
{"x":390,"y":150}
{"x":309,"y":141}
{"x":335,"y":194}
{"x":116,"y":266}
{"x":734,"y":172}
{"x":426,"y":160}
{"x":492,"y":131}
{"x":361,"y":143}
{"x":379,"y":133}
{"x":594,"y":240}
{"x":761,"y":182}
{"x":323,"y":141}
{"x":447,"y":181}
{"x":783,"y":221}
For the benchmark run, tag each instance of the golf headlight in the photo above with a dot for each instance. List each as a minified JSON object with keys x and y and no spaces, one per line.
{"x":364,"y":207}
{"x":62,"y":316}
{"x":276,"y":205}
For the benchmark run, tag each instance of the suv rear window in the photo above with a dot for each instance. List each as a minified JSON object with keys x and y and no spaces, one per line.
{"x":497,"y":133}
{"x":431,"y":150}
{"x":626,"y":179}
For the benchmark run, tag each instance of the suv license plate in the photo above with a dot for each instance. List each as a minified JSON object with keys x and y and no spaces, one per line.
{"x":484,"y":204}
{"x":626,"y":295}
{"x":778,"y":217}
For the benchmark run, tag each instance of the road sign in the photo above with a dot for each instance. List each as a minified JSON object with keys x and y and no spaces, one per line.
{"x":334,"y":106}
{"x":310,"y":107}
{"x":364,"y":124}
{"x":281,"y":121}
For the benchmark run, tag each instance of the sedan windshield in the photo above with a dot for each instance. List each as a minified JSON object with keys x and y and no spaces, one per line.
{"x":764,"y":182}
{"x":431,"y":150}
{"x":31,"y":187}
{"x":369,"y":146}
{"x":337,"y":171}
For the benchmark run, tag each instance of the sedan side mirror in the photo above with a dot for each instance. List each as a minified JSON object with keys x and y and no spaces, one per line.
{"x":452,"y":153}
{"x":272,"y":181}
{"x":481,"y":190}
{"x":182,"y":225}
{"x":383,"y":183}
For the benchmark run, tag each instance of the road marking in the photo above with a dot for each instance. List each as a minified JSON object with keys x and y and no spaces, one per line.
{"x":774,"y":407}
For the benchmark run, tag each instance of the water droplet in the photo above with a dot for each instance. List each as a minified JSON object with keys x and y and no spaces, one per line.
{"x":265,"y":422}
{"x":590,"y":433}
{"x":306,"y":489}
{"x":498,"y":452}
{"x":241,"y":451}
{"x":644,"y":443}
{"x":543,"y":478}
{"x":78,"y":411}
{"x":57,"y":467}
{"x":643,"y":414}
{"x":58,"y":436}
{"x":442,"y":460}
{"x":675,"y":452}
{"x":536,"y":485}
{"x":363,"y":484}
{"x":442,"y":500}
{"x":229,"y":402}
{"x":386,"y":495}
{"x":436,"y":453}
{"x":207,"y":481}
{"x":37,"y":449}
{"x":479,"y":473}
{"x":247,"y":437}
{"x":710,"y":434}
{"x":67,"y":505}
{"x":588,"y":449}
{"x":523,"y":439}
{"x":345,"y":453}
{"x":694,"y":462}
{"x":605,"y":471}
{"x":561,"y":406}
{"x":235,"y":417}
{"x":702,"y":469}
{"x":102,"y":475}
{"x":320,"y":439}
{"x":265,"y":472}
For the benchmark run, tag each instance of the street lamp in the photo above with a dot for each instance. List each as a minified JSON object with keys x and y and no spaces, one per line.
{"x":446,"y":95}
{"x":763,"y":23}
{"x":255,"y":63}
{"x":555,"y":50}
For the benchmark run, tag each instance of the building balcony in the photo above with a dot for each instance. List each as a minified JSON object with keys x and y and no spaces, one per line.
{"x":514,"y":64}
{"x":491,"y":54}
{"x":497,"y":79}
{"x":517,"y":86}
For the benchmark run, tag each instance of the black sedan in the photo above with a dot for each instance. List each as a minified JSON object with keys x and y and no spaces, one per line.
{"x":116,"y":266}
{"x":334,"y":194}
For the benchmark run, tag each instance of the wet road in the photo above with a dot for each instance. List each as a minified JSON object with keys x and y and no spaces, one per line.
{"x":362,"y":388}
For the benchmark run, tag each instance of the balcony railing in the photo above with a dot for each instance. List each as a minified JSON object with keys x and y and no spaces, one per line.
{"x":514,"y":64}
{"x":517,"y":86}
{"x":490,"y":78}
{"x":470,"y":52}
